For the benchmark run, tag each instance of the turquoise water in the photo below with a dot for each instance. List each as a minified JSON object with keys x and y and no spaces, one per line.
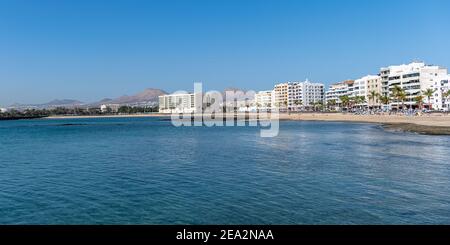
{"x":145,"y":171}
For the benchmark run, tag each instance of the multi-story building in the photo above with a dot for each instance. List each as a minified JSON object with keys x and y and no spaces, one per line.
{"x":336,"y":90}
{"x":109,"y":108}
{"x":373,"y":86}
{"x":413,"y":78}
{"x":263,"y":99}
{"x":292,"y":95}
{"x":364,"y":86}
{"x":312,"y":93}
{"x":445,"y":86}
{"x":285,"y":94}
{"x":177,"y":103}
{"x":352,"y":88}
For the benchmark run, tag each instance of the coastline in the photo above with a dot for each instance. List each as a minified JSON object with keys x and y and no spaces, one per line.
{"x":110,"y":116}
{"x":436,"y":124}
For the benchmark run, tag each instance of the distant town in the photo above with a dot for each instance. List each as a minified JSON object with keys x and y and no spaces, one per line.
{"x":408,"y":87}
{"x":414,"y":86}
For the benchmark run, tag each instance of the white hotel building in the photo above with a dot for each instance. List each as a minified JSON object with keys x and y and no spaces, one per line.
{"x":336,"y":90}
{"x":415,"y":78}
{"x":263,"y":99}
{"x":445,"y":86}
{"x":352,"y":88}
{"x":293,"y":95}
{"x":363,"y":87}
{"x":177,"y":103}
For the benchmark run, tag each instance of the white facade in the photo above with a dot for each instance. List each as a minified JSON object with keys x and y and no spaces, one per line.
{"x":263,"y":99}
{"x":3,"y":110}
{"x":363,"y":86}
{"x":414,"y":78}
{"x":339,"y":89}
{"x":293,"y":95}
{"x":445,"y":86}
{"x":177,"y":103}
{"x":312,"y":93}
{"x":109,"y":108}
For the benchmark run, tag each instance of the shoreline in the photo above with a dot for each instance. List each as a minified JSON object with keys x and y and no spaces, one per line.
{"x":435,"y":124}
{"x":438,"y":124}
{"x":109,"y":116}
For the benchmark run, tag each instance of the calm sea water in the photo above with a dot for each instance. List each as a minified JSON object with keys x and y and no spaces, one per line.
{"x":145,"y":171}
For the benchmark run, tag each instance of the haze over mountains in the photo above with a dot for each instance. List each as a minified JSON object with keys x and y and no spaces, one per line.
{"x":148,"y":96}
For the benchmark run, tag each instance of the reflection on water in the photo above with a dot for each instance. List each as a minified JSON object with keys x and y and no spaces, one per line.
{"x":145,"y":171}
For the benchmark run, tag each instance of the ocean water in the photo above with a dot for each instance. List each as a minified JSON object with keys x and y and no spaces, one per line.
{"x":145,"y":171}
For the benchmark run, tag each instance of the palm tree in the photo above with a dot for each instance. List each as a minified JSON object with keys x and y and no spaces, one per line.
{"x":331,"y":103}
{"x":345,"y":100}
{"x":429,"y":93}
{"x":297,"y":103}
{"x":285,"y":103}
{"x":445,"y":96}
{"x":399,"y":94}
{"x":359,"y":100}
{"x":419,"y":101}
{"x":373,"y":96}
{"x":385,"y":100}
{"x":318,"y":105}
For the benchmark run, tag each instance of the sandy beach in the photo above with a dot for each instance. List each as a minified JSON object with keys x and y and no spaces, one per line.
{"x":435,"y":124}
{"x":427,"y":120}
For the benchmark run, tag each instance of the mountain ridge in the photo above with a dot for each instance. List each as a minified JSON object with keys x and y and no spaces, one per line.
{"x":148,"y":95}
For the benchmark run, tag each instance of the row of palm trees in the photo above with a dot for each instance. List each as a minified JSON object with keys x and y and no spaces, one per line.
{"x":348,"y":102}
{"x":399,"y":95}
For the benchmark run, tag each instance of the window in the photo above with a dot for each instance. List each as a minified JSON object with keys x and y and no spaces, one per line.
{"x":411,"y":75}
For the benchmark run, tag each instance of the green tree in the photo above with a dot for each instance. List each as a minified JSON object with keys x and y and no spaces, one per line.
{"x":419,"y":101}
{"x":345,"y":101}
{"x":429,"y":93}
{"x":359,"y":100}
{"x":446,"y":96}
{"x":384,"y":99}
{"x":331,"y":103}
{"x":373,"y":96}
{"x":399,"y":95}
{"x":298,"y":103}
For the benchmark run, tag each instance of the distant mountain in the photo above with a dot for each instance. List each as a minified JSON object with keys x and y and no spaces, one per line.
{"x":149,"y":95}
{"x":232,"y":89}
{"x":63,"y":102}
{"x":51,"y":104}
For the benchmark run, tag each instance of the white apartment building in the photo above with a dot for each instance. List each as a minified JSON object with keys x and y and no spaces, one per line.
{"x":3,"y":110}
{"x":336,"y":90}
{"x":109,"y":108}
{"x":293,"y":95}
{"x":312,"y":93}
{"x":414,"y":78}
{"x":363,"y":87}
{"x":177,"y":103}
{"x":263,"y":99}
{"x":352,"y":88}
{"x":285,"y":95}
{"x":445,"y":86}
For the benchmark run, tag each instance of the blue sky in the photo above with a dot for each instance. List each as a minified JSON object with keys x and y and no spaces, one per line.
{"x":89,"y":50}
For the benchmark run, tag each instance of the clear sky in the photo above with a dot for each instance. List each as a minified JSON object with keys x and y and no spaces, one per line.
{"x":89,"y":50}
